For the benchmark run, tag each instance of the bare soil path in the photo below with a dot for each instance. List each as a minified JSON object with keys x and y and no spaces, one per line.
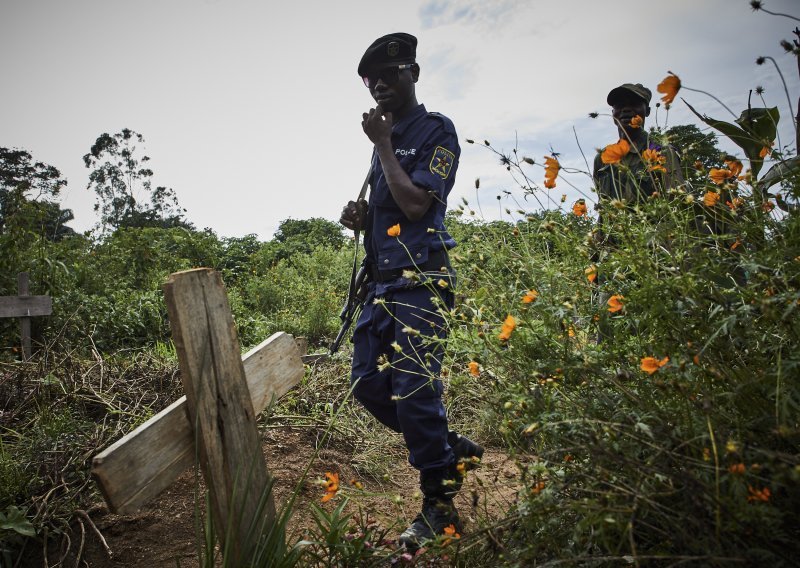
{"x":164,"y":534}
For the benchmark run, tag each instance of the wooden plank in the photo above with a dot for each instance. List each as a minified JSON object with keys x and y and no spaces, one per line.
{"x":220,"y":409}
{"x":139,"y":466}
{"x":25,"y":306}
{"x":23,"y":290}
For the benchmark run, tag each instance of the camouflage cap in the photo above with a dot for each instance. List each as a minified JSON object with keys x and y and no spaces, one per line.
{"x":391,"y":49}
{"x":626,"y":89}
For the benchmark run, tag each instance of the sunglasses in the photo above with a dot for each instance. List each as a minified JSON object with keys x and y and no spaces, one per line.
{"x":388,"y":75}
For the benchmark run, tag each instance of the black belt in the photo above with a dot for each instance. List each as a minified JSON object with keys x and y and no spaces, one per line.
{"x":436,"y":260}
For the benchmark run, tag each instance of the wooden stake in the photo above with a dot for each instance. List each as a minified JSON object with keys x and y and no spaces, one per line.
{"x":219,"y":407}
{"x":24,"y":322}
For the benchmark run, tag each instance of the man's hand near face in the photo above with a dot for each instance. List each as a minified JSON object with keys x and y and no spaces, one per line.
{"x":377,"y":126}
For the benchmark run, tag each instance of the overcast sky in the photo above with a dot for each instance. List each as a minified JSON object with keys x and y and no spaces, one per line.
{"x":251,"y":110}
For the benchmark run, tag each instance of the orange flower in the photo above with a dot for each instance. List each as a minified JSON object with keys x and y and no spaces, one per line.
{"x":450,"y":533}
{"x":735,"y":203}
{"x":394,"y":230}
{"x":637,"y":121}
{"x":650,"y":364}
{"x":654,"y":160}
{"x":735,"y":167}
{"x":591,"y":273}
{"x":737,"y":469}
{"x":536,"y":489}
{"x":719,"y":175}
{"x":331,"y":486}
{"x":551,"y":167}
{"x":508,"y":327}
{"x":758,"y":494}
{"x":579,"y":208}
{"x":474,"y":369}
{"x":710,"y":198}
{"x":615,"y":303}
{"x":766,"y":150}
{"x":669,"y":87}
{"x":613,"y":153}
{"x":530,"y":296}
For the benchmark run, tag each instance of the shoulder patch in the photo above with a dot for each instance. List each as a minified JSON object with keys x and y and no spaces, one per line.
{"x":442,"y":162}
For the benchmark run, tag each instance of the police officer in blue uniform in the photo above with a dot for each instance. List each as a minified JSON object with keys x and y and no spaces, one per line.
{"x":398,"y":340}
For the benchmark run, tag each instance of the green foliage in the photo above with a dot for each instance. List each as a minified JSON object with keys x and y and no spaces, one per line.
{"x":26,"y":212}
{"x":307,"y":234}
{"x":698,"y":151}
{"x":25,"y":189}
{"x":341,"y":542}
{"x":754,"y":130}
{"x":58,"y":412}
{"x":617,"y":460}
{"x":14,"y":528}
{"x":664,"y":429}
{"x":31,"y":222}
{"x":295,"y":237}
{"x":15,"y":520}
{"x":237,"y":257}
{"x":302,"y":295}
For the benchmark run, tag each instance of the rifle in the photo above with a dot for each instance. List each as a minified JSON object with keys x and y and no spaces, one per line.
{"x":353,"y":306}
{"x":357,"y":292}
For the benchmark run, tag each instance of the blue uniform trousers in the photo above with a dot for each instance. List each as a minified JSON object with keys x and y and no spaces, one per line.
{"x":405,"y":395}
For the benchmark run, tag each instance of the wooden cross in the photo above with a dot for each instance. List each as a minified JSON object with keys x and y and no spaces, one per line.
{"x":24,"y":306}
{"x":215,"y":422}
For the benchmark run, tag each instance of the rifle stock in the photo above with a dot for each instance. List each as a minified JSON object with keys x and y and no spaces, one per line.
{"x":352,"y":307}
{"x":358,"y":283}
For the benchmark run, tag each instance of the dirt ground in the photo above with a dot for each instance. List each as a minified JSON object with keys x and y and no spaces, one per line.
{"x":163,"y":534}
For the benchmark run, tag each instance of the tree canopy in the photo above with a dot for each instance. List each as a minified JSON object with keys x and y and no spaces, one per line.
{"x":27,"y":192}
{"x":122,"y":182}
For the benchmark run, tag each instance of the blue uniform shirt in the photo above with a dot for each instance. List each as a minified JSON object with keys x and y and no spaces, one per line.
{"x":426,"y":146}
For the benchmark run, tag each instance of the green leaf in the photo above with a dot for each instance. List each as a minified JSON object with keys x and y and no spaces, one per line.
{"x":757,"y":128}
{"x":762,"y":123}
{"x":14,"y":520}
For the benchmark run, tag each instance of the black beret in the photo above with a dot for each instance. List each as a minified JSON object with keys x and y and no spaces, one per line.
{"x":389,"y":50}
{"x":627,"y":89}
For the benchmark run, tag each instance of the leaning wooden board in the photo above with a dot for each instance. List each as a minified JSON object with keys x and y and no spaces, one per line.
{"x":146,"y":461}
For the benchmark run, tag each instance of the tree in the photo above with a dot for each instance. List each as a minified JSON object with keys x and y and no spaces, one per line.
{"x":699,"y":152}
{"x":122,"y":182}
{"x":25,"y":186}
{"x":298,"y":237}
{"x":237,"y":255}
{"x":301,"y":236}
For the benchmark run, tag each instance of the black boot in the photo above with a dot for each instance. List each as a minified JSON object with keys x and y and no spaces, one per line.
{"x":438,"y":510}
{"x":465,"y":450}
